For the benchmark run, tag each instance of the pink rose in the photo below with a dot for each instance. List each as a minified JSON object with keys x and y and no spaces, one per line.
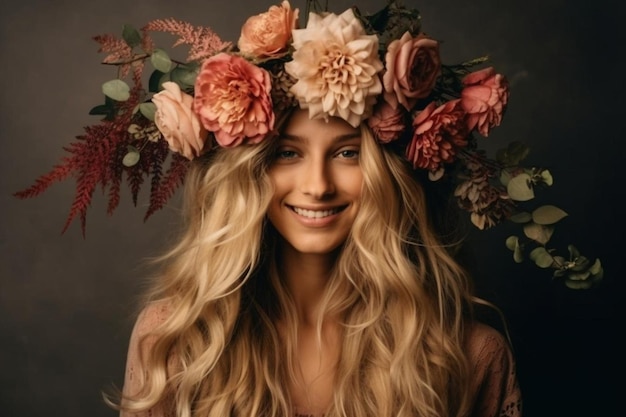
{"x":484,"y":98}
{"x":387,"y":122}
{"x":413,"y":65}
{"x":266,"y":35}
{"x":232,"y":99}
{"x":177,"y":122}
{"x":439,"y":133}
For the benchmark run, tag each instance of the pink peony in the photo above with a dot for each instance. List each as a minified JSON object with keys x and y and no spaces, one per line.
{"x":413,"y":65}
{"x":387,"y":122}
{"x":439,"y":133}
{"x":484,"y":98}
{"x":267,"y":35}
{"x":232,"y":99}
{"x":177,"y":122}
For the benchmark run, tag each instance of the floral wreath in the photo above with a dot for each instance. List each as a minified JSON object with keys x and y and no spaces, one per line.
{"x":379,"y":68}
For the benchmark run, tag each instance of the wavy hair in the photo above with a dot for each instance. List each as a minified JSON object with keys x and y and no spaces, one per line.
{"x":401,"y":296}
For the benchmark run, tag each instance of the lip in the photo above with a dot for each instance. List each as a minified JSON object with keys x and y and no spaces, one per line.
{"x":316,"y":221}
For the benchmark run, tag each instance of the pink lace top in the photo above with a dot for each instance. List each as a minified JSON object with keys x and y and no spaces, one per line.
{"x":495,"y":388}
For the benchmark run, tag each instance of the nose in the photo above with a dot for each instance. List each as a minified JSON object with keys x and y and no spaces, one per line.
{"x":317,"y":178}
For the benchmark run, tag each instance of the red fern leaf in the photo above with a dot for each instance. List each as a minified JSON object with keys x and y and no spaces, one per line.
{"x":59,"y":173}
{"x":204,"y":41}
{"x":173,"y":180}
{"x":117,"y":49}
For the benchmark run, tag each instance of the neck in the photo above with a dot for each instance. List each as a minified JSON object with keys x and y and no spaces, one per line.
{"x":306,"y":276}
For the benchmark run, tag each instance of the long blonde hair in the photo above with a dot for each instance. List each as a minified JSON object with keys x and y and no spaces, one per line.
{"x":401,"y":296}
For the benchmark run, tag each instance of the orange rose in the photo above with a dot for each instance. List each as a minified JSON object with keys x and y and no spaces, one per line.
{"x":266,"y":35}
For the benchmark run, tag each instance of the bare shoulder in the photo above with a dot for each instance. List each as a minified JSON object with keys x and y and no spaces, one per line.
{"x":151,"y":317}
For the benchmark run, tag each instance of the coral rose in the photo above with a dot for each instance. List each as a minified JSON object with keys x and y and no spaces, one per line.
{"x":232,"y":100}
{"x":387,"y":122}
{"x":176,"y":121}
{"x":484,"y":98}
{"x":439,"y":134}
{"x":413,"y":65}
{"x":267,"y":35}
{"x":336,"y":66}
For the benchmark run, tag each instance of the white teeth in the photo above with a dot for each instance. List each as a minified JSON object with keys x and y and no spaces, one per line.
{"x":313,"y":214}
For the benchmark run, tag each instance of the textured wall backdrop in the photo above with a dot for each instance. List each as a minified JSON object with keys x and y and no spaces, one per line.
{"x":67,"y":304}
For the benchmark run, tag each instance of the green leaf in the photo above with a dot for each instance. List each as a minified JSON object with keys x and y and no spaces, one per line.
{"x":519,"y":188}
{"x":546,"y":176}
{"x":154,"y":83}
{"x":116,"y":89}
{"x":518,"y":255}
{"x":131,"y":36}
{"x":541,"y":257}
{"x":184,"y":77}
{"x":578,"y":285}
{"x":579,"y":276}
{"x":132,"y":157}
{"x":505,"y":177}
{"x":539,"y":233}
{"x":161,"y":60}
{"x":596,"y":268}
{"x":512,"y":242}
{"x":521,"y":217}
{"x":148,"y":110}
{"x":548,"y":214}
{"x":573,"y":252}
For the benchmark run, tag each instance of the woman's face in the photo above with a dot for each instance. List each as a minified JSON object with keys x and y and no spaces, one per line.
{"x":317,"y":181}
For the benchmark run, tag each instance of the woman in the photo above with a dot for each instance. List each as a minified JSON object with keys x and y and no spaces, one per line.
{"x":312,"y":277}
{"x":311,"y":281}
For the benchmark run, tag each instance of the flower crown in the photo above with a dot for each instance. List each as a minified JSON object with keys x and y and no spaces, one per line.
{"x":380,"y":68}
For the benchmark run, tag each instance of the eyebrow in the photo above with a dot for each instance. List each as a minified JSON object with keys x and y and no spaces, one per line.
{"x":303,"y":139}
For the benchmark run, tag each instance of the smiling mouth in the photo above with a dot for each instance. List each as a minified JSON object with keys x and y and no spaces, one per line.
{"x":317,"y":214}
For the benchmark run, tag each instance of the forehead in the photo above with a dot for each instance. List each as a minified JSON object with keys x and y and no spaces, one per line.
{"x":301,"y":126}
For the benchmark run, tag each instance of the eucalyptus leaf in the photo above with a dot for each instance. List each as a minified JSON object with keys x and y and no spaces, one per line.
{"x":548,"y":214}
{"x":541,"y":257}
{"x":521,"y":217}
{"x":578,"y":285}
{"x":518,"y":255}
{"x":596,"y":268}
{"x":132,"y":157}
{"x":154,"y":83}
{"x":116,"y":89}
{"x":573,"y":252}
{"x":131,"y":36}
{"x":581,"y":264}
{"x":148,"y":110}
{"x":184,"y":77}
{"x":161,"y":60}
{"x":519,"y":188}
{"x":512,"y":242}
{"x":539,"y":233}
{"x":579,"y":276}
{"x":546,"y":176}
{"x":505,"y":177}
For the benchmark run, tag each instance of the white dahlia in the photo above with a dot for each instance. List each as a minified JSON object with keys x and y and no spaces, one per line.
{"x":336,"y":66}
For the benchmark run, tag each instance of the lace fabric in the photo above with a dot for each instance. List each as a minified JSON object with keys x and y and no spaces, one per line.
{"x":495,"y":389}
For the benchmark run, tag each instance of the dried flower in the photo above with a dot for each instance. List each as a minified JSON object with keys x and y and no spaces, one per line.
{"x":232,"y":99}
{"x":336,"y":66}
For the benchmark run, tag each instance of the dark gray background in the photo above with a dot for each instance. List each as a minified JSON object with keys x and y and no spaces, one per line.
{"x":67,"y":304}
